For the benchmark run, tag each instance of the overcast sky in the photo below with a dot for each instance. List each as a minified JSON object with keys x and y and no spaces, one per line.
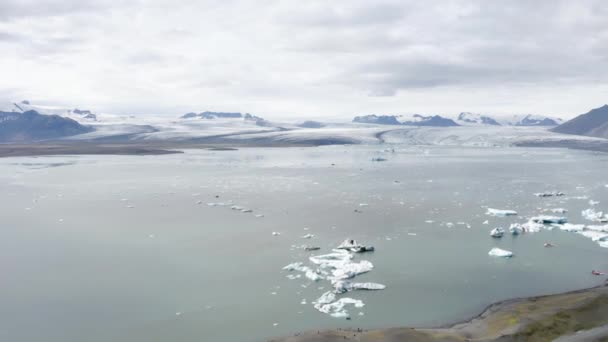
{"x":307,"y":58}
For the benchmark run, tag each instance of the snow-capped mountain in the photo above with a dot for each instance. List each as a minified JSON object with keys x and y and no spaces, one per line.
{"x":406,"y":120}
{"x":468,"y":118}
{"x":521,"y":120}
{"x":80,"y":115}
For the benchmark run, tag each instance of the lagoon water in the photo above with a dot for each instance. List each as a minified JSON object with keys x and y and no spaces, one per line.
{"x":125,"y":248}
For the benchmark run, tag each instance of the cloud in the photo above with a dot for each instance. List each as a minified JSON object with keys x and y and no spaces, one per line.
{"x":326,"y":57}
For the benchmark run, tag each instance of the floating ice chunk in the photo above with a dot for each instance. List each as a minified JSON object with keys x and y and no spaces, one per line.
{"x":497,"y":232}
{"x":516,"y":229}
{"x":345,"y":286}
{"x":592,"y":202}
{"x":549,"y":219}
{"x":337,"y":258}
{"x":236,"y":207}
{"x":549,"y":194}
{"x":276,"y":233}
{"x":308,"y":272}
{"x":354,"y":246}
{"x":259,"y":215}
{"x":486,"y":222}
{"x":568,"y":227}
{"x":378,"y":159}
{"x":594,"y":235}
{"x":558,"y":210}
{"x":501,"y":212}
{"x":307,"y":236}
{"x":449,"y":225}
{"x":595,"y":216}
{"x":311,"y":248}
{"x":363,"y":204}
{"x":328,"y":304}
{"x":497,"y":252}
{"x":246,"y":210}
{"x":351,"y":269}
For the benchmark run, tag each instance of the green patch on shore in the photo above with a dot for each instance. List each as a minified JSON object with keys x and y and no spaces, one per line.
{"x":587,"y":316}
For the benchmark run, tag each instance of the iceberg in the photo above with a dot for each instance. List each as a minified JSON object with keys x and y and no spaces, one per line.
{"x":328,"y":304}
{"x":568,"y":227}
{"x":595,"y":216}
{"x":345,"y":286}
{"x":354,"y":246}
{"x":549,"y":219}
{"x":497,"y":232}
{"x":501,"y":212}
{"x":351,"y":269}
{"x":516,"y":229}
{"x":497,"y":252}
{"x":549,"y":194}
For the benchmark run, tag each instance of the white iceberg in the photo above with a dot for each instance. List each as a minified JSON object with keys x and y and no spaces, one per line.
{"x":568,"y":227}
{"x":497,"y":232}
{"x":501,"y":212}
{"x":354,"y":246}
{"x":328,"y":304}
{"x":516,"y":229}
{"x":595,"y":216}
{"x":351,"y":269}
{"x":549,"y":194}
{"x":497,"y":252}
{"x":549,"y":219}
{"x":345,"y":286}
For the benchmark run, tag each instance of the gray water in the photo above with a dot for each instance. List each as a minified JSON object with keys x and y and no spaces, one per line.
{"x":100,"y":248}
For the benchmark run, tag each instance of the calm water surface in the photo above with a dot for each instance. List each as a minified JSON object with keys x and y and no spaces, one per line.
{"x":100,"y":248}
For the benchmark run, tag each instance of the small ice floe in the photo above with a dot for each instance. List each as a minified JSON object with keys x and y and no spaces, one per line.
{"x":558,"y":210}
{"x":378,"y":159}
{"x":501,"y":212}
{"x":363,"y":204}
{"x":308,"y":272}
{"x":236,"y":207}
{"x":486,"y":222}
{"x":276,"y":233}
{"x":354,"y":246}
{"x":549,"y":194}
{"x":246,"y":210}
{"x":497,"y":252}
{"x":449,"y":225}
{"x":259,"y":215}
{"x":543,"y":219}
{"x":429,"y":221}
{"x":345,"y":286}
{"x":328,"y":304}
{"x":199,"y":202}
{"x":497,"y":232}
{"x":311,"y":248}
{"x":307,"y":236}
{"x":595,"y":216}
{"x":516,"y":229}
{"x":593,"y":203}
{"x":568,"y":227}
{"x":411,"y":234}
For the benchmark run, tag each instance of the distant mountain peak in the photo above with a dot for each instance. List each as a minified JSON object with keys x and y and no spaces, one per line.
{"x":593,"y":123}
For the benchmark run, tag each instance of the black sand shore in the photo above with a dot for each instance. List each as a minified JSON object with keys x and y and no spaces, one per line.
{"x":542,"y":318}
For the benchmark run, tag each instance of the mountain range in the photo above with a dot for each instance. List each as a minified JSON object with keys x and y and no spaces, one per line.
{"x":463,"y":119}
{"x":593,"y":123}
{"x":32,"y":126}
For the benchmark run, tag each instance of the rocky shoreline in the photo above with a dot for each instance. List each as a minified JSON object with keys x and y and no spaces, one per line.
{"x":570,"y":316}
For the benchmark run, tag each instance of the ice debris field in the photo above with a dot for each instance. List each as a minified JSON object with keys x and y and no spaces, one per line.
{"x":338,"y":268}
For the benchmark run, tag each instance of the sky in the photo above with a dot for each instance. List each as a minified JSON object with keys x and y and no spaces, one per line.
{"x":313,"y":59}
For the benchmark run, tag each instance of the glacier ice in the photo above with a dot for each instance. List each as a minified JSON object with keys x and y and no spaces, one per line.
{"x":501,"y":212}
{"x":497,"y":252}
{"x":595,"y":216}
